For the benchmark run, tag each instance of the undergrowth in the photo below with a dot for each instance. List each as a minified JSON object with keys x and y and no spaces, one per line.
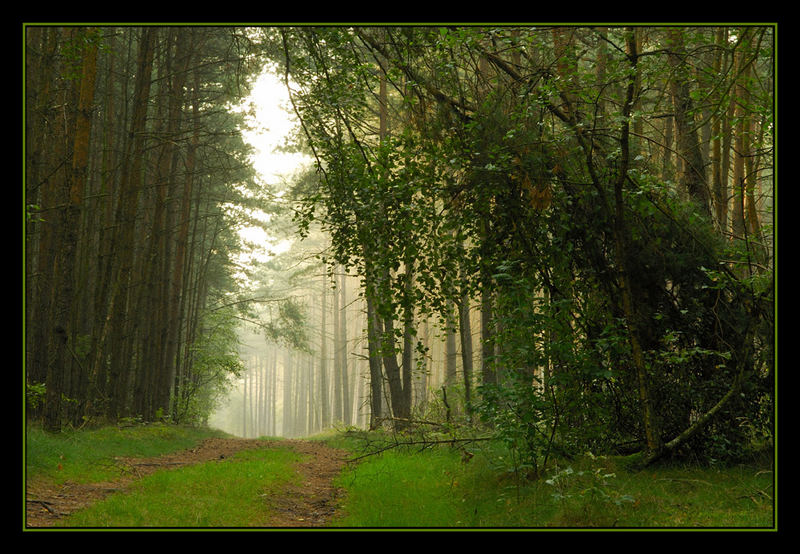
{"x":446,"y":487}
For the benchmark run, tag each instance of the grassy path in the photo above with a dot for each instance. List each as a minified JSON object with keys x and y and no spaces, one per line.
{"x":169,"y":477}
{"x":305,"y":498}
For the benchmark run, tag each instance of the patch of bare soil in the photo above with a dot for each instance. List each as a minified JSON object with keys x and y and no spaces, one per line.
{"x":310,"y":504}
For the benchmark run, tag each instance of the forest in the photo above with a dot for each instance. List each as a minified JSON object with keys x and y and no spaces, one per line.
{"x":559,"y":237}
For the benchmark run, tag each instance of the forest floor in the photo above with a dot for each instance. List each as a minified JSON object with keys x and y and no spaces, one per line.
{"x":311,"y":503}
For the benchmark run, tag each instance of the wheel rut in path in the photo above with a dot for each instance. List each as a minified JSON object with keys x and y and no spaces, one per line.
{"x":310,"y":503}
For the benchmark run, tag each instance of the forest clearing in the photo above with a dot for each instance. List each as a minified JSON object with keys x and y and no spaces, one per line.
{"x":508,"y":275}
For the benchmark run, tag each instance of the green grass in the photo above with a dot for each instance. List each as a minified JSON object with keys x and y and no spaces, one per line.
{"x":437,"y":489}
{"x":739,"y":496}
{"x":400,"y":488}
{"x":86,"y":456}
{"x":217,"y":494}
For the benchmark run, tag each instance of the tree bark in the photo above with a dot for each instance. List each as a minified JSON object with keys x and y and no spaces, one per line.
{"x":130,"y":188}
{"x":650,"y":423}
{"x":338,"y":392}
{"x":465,"y":332}
{"x":63,"y":359}
{"x":373,"y":346}
{"x":347,"y":402}
{"x":692,"y":176}
{"x":180,"y":262}
{"x":323,"y":357}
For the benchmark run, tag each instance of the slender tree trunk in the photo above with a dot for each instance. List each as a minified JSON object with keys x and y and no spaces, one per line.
{"x":293,"y":383}
{"x":181,"y":258}
{"x":56,"y":329}
{"x":465,"y":331}
{"x":80,"y":161}
{"x":375,"y":376}
{"x":347,"y":402}
{"x":273,"y":396}
{"x":720,"y":195}
{"x":244,"y":404}
{"x":692,"y":177}
{"x":338,"y":404}
{"x":408,"y":338}
{"x":651,"y":427}
{"x":667,"y":170}
{"x":130,"y":188}
{"x":399,"y":406}
{"x":741,"y":145}
{"x":40,"y":188}
{"x":488,"y":374}
{"x":177,"y":60}
{"x":451,"y":353}
{"x":59,"y":372}
{"x":323,"y":358}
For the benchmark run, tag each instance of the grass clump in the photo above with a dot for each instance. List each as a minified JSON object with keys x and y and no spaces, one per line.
{"x":217,"y":494}
{"x":401,"y":489}
{"x":739,"y":496}
{"x":85,"y":456}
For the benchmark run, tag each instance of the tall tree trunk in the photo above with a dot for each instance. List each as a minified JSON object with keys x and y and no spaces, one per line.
{"x":177,"y":58}
{"x":323,"y":357}
{"x":692,"y":176}
{"x":54,"y":329}
{"x":488,"y":375}
{"x":400,"y":408}
{"x":408,"y":337}
{"x":465,"y":332}
{"x":629,"y":306}
{"x":40,"y":187}
{"x":83,"y":130}
{"x":273,"y":397}
{"x":741,"y":142}
{"x":375,"y":374}
{"x":180,"y":260}
{"x":291,"y":384}
{"x":338,"y":403}
{"x":719,"y":192}
{"x":451,"y":352}
{"x":59,"y":371}
{"x":347,"y":402}
{"x":130,"y":188}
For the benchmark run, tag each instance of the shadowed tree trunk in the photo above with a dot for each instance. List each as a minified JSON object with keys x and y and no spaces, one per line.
{"x":692,"y":176}
{"x":63,"y":358}
{"x":130,"y":188}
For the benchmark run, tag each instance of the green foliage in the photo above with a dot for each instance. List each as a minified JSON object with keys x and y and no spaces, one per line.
{"x":290,"y":326}
{"x":215,"y":360}
{"x":587,"y":497}
{"x":75,"y":48}
{"x":32,"y":214}
{"x":506,"y":180}
{"x":35,"y":394}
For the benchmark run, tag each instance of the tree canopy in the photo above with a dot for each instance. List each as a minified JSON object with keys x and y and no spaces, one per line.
{"x":577,"y":181}
{"x":600,"y":198}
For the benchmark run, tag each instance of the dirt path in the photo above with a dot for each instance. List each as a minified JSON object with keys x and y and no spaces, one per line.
{"x":310,"y":504}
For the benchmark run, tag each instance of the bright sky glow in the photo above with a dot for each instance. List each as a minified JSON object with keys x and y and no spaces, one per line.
{"x":271,"y":122}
